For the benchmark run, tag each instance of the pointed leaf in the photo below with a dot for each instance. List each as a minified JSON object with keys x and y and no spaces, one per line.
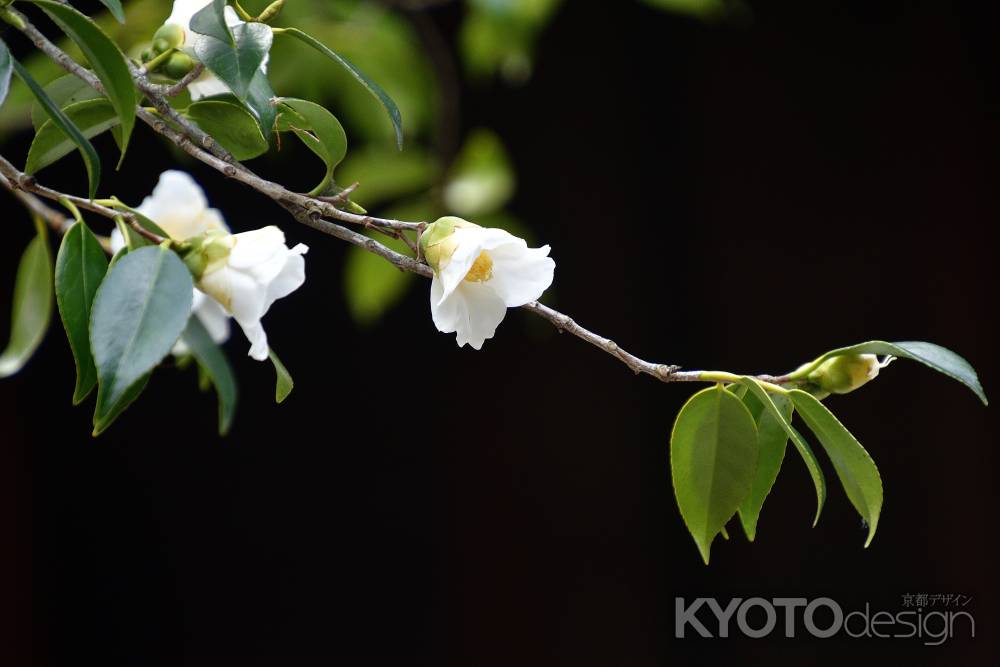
{"x":211,"y":21}
{"x":91,"y":117}
{"x":372,"y":87}
{"x":284,"y":383}
{"x":854,"y":466}
{"x":6,"y":69}
{"x":231,"y":125}
{"x":64,"y":91}
{"x":819,"y":482}
{"x":323,"y":134}
{"x":32,"y":307}
{"x":772,"y":438}
{"x":80,"y":267}
{"x":713,"y":452}
{"x":115,"y":7}
{"x":213,"y":363}
{"x":104,"y":57}
{"x":139,"y":312}
{"x":237,"y":65}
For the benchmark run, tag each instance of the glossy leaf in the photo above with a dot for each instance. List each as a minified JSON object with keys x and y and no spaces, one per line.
{"x":91,"y":117}
{"x":855,"y":468}
{"x":323,"y":134}
{"x":104,"y":57}
{"x":713,"y":453}
{"x":283,"y":383}
{"x":213,"y":363}
{"x":32,"y":308}
{"x":80,"y":267}
{"x":231,"y":125}
{"x":115,"y":7}
{"x":237,"y":65}
{"x":90,"y":158}
{"x":211,"y":21}
{"x":6,"y":70}
{"x":939,"y":358}
{"x":372,"y":87}
{"x":805,"y":451}
{"x":140,"y":311}
{"x":772,"y":439}
{"x":260,"y":102}
{"x":64,"y":91}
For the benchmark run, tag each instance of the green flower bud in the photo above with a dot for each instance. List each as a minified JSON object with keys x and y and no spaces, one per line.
{"x":436,"y":243}
{"x":177,"y":65}
{"x":170,"y":36}
{"x":271,"y":12}
{"x":147,"y":55}
{"x":845,"y":373}
{"x":206,"y":252}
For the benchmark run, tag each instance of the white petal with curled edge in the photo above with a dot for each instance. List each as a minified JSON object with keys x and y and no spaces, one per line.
{"x":521,"y":274}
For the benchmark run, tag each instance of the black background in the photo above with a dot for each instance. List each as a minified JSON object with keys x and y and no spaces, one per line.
{"x":740,"y":197}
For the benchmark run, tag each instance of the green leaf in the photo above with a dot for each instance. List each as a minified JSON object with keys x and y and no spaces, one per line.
{"x":772,"y":438}
{"x":91,"y":117}
{"x":323,"y":134}
{"x":115,"y":7}
{"x":90,"y":158}
{"x":140,"y":311}
{"x":939,"y":358}
{"x":231,"y":125}
{"x":284,"y":383}
{"x":372,"y":87}
{"x":64,"y":91}
{"x":855,"y":468}
{"x":32,"y":304}
{"x":80,"y":267}
{"x":259,"y":101}
{"x":104,"y":57}
{"x":212,"y":361}
{"x":211,"y":21}
{"x":713,"y":453}
{"x":819,"y":482}
{"x":237,"y":65}
{"x":6,"y":69}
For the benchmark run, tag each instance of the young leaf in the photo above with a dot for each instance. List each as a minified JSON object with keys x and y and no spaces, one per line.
{"x":139,"y":312}
{"x":231,"y":125}
{"x":323,"y":134}
{"x":32,"y":307}
{"x":90,"y":158}
{"x":772,"y":438}
{"x":819,"y":482}
{"x":855,"y":468}
{"x":372,"y":87}
{"x":115,"y":7}
{"x":80,"y":267}
{"x":91,"y":117}
{"x":237,"y":65}
{"x":713,"y":453}
{"x":939,"y":358}
{"x":284,"y":383}
{"x":211,"y":21}
{"x":214,"y":364}
{"x":6,"y":69}
{"x":104,"y":57}
{"x":64,"y":91}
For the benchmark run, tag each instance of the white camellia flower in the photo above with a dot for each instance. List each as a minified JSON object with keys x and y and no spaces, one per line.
{"x":178,"y":205}
{"x":479,"y":273}
{"x":206,"y":85}
{"x":250,"y":271}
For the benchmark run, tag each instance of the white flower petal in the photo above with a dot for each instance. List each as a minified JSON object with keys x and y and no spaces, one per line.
{"x":213,"y":316}
{"x":177,"y":205}
{"x":521,"y":274}
{"x":291,"y":277}
{"x":471,"y":241}
{"x":207,"y":85}
{"x":444,"y":312}
{"x":258,"y":340}
{"x":116,"y":240}
{"x":480,"y":312}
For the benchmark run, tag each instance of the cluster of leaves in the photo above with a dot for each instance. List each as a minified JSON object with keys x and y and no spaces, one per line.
{"x":728,"y":444}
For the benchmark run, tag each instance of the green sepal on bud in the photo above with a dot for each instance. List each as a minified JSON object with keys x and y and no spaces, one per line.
{"x":169,"y":36}
{"x":436,"y":243}
{"x":177,"y":66}
{"x":203,"y":254}
{"x":844,"y":373}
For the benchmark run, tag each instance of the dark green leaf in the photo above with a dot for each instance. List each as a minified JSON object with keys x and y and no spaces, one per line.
{"x":211,"y":21}
{"x":323,"y":134}
{"x":91,"y":117}
{"x":104,"y":57}
{"x":372,"y":87}
{"x":284,"y":383}
{"x":90,"y":158}
{"x":64,"y":91}
{"x":939,"y":358}
{"x":800,"y":443}
{"x":6,"y":69}
{"x":213,"y":363}
{"x":713,"y":453}
{"x":772,"y":438}
{"x":237,"y":66}
{"x":260,"y":102}
{"x":32,"y":304}
{"x":139,"y":312}
{"x":231,"y":125}
{"x":115,"y":7}
{"x":80,"y":268}
{"x":855,"y":468}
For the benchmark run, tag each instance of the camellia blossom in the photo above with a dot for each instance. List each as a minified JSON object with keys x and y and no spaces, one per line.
{"x":206,"y":85}
{"x":480,"y":272}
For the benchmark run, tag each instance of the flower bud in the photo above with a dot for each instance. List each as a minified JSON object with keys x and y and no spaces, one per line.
{"x":845,"y":373}
{"x":169,"y":36}
{"x":206,"y":252}
{"x":147,"y":54}
{"x":436,"y":242}
{"x":177,"y":66}
{"x":271,"y":12}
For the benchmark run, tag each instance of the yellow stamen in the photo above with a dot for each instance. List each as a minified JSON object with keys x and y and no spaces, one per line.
{"x":482,"y":269}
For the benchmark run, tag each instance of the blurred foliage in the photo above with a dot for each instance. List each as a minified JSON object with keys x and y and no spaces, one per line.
{"x":499,"y":36}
